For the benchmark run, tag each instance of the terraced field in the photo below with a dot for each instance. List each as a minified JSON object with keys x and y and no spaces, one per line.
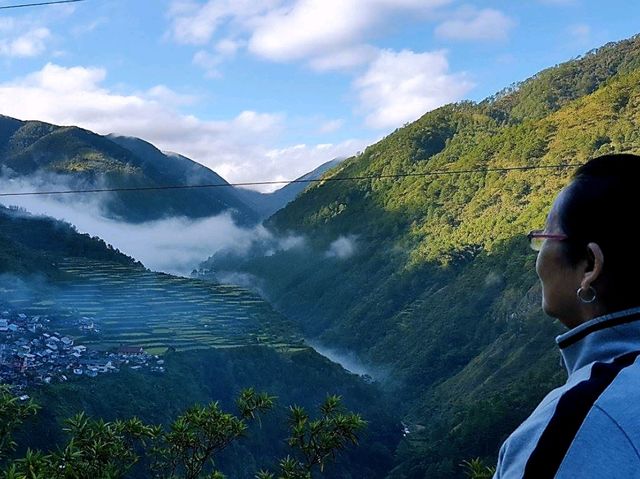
{"x":130,"y":305}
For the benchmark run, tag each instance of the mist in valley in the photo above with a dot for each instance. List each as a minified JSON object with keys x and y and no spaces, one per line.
{"x":175,"y":245}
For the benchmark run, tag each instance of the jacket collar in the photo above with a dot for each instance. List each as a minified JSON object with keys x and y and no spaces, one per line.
{"x":601,"y":339}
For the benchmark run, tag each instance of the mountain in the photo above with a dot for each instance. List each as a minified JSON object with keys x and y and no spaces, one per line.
{"x":427,"y":276}
{"x":31,"y":245}
{"x":214,"y":340}
{"x":266,"y":204}
{"x":83,"y":159}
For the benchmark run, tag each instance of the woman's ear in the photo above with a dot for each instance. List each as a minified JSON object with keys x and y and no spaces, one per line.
{"x":595,"y":264}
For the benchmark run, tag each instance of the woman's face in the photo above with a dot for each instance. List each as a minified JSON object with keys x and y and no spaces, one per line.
{"x":560,"y":280}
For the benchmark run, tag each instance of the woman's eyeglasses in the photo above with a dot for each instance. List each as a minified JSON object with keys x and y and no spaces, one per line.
{"x":536,"y":238}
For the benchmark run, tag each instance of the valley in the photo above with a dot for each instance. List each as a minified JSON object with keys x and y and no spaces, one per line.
{"x":414,"y":274}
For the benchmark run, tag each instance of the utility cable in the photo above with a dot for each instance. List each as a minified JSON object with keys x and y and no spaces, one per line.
{"x":286,"y":182}
{"x":38,"y":4}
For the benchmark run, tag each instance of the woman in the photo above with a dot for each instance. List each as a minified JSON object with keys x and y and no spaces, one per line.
{"x":589,"y":267}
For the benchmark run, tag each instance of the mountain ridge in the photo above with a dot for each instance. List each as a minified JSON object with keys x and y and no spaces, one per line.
{"x":441,"y":288}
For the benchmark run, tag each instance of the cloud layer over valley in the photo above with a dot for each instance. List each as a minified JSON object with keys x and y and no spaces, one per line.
{"x":173,"y":245}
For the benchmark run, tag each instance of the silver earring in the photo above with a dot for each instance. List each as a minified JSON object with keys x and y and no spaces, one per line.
{"x":591,"y":290}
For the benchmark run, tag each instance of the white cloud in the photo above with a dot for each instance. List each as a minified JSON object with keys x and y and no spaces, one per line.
{"x":195,"y":23}
{"x":285,"y":164}
{"x":316,"y":29}
{"x":472,"y":24}
{"x":344,"y":59}
{"x":331,"y":126}
{"x":29,"y":34}
{"x":228,"y":46}
{"x":328,"y":34}
{"x":342,"y":248}
{"x":209,"y":62}
{"x":401,"y":86}
{"x":243,"y":148}
{"x":29,"y":44}
{"x":309,"y":28}
{"x":85,"y":28}
{"x":165,"y":95}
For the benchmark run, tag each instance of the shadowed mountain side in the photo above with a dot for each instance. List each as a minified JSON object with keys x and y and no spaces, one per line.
{"x":33,"y":244}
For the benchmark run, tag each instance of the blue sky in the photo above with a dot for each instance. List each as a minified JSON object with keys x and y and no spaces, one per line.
{"x":269,"y":89}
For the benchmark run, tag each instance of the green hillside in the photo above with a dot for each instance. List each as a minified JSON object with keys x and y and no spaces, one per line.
{"x":130,"y":305}
{"x":86,"y":160}
{"x":31,"y":244}
{"x":216,"y":341}
{"x":440,"y":288}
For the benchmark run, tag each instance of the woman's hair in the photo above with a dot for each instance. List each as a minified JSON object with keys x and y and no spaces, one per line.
{"x":601,"y":206}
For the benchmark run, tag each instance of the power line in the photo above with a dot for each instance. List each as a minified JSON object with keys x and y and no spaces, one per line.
{"x":285,"y":182}
{"x":39,"y":4}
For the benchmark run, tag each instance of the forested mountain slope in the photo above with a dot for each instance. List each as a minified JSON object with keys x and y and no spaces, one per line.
{"x":217,"y":339}
{"x":82,"y":159}
{"x":438,"y":289}
{"x":32,"y":244}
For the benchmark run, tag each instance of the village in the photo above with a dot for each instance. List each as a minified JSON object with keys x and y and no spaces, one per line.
{"x":31,"y":353}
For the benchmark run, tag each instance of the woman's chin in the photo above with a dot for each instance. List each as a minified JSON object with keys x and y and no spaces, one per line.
{"x":552,"y":312}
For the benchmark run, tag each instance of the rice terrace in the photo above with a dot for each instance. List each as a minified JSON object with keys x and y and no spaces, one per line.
{"x":106,"y":305}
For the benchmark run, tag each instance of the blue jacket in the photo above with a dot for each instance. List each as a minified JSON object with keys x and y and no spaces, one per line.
{"x":590,"y":427}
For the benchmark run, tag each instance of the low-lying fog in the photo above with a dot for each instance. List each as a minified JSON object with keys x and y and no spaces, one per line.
{"x":174,"y":245}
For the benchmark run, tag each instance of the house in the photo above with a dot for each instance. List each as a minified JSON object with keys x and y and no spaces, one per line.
{"x":130,"y":350}
{"x":4,"y":325}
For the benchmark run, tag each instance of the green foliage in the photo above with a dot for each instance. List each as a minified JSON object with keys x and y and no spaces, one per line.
{"x":108,"y":450}
{"x":95,"y":449}
{"x":202,"y":431}
{"x":317,"y":441}
{"x":202,"y":376}
{"x":13,"y":412}
{"x":477,"y":469}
